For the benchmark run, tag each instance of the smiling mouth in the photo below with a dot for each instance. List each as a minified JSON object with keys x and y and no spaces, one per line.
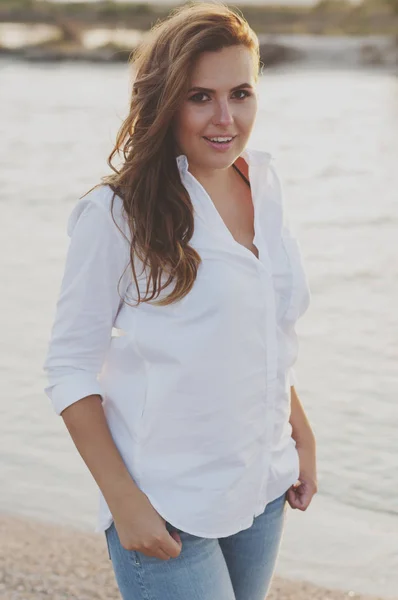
{"x":222,"y":136}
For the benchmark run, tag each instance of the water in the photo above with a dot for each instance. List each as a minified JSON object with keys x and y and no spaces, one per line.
{"x":334,"y":134}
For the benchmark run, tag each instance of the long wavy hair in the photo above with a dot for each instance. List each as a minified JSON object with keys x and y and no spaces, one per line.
{"x":155,"y":202}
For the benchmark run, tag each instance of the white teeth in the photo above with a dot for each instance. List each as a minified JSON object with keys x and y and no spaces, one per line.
{"x":220,"y":139}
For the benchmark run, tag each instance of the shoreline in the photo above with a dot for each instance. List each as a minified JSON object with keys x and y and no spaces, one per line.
{"x":325,"y":17}
{"x":39,"y":560}
{"x":377,"y":52}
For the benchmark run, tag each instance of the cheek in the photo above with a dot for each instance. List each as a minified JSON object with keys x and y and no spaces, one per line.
{"x":245,"y":120}
{"x":191,"y":120}
{"x":249,"y":111}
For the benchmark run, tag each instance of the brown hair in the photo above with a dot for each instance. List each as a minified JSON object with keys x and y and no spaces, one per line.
{"x":157,"y":205}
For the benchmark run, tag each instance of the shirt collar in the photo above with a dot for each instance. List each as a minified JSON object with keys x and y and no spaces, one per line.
{"x":250,"y":155}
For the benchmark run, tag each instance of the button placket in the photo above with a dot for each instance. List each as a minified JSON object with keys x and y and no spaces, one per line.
{"x":207,"y":211}
{"x":213,"y":221}
{"x":270,"y":367}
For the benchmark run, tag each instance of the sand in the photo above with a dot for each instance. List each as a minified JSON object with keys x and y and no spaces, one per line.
{"x":41,"y":561}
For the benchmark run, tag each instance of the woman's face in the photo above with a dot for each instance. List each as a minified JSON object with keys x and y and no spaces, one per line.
{"x":218,"y":110}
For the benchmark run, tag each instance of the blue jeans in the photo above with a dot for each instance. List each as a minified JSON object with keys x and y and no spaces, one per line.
{"x":238,"y":567}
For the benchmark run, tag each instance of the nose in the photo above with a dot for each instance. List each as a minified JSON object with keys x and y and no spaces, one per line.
{"x":223,"y":113}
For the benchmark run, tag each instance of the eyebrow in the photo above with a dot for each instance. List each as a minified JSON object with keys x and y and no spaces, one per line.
{"x":237,"y":87}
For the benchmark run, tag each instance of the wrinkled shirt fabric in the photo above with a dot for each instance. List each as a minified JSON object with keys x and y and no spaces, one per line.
{"x":196,"y":393}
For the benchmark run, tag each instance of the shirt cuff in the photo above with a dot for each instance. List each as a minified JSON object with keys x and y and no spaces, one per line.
{"x":292,"y":377}
{"x":72,"y":388}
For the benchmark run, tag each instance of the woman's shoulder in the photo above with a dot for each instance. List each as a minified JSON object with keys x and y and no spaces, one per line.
{"x":265,"y":173}
{"x":102,"y":204}
{"x":274,"y":180}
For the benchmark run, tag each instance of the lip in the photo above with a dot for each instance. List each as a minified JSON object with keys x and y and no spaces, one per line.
{"x":219,"y":147}
{"x":221,"y":135}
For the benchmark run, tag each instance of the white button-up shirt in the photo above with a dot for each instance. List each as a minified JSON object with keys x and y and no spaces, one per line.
{"x":196,"y":393}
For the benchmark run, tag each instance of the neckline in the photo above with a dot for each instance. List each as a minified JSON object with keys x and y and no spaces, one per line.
{"x":252,"y":156}
{"x":206,"y":209}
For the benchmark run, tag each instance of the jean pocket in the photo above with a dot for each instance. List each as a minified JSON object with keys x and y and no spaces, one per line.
{"x":171,"y":528}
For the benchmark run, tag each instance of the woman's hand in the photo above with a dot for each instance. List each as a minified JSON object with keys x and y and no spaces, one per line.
{"x":300,"y":494}
{"x":141,"y":528}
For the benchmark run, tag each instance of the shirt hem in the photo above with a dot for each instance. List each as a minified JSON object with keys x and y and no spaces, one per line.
{"x":283,"y":486}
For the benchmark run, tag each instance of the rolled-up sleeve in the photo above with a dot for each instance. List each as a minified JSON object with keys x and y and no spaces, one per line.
{"x":292,"y":377}
{"x":88,"y":303}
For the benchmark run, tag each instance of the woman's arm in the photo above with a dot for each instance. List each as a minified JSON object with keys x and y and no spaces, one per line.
{"x":87,"y":306}
{"x":138,"y":524}
{"x":88,"y":428}
{"x":86,"y":310}
{"x":302,"y":432}
{"x":300,"y":494}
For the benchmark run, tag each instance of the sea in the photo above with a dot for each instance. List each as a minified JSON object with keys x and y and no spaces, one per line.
{"x":334,"y":136}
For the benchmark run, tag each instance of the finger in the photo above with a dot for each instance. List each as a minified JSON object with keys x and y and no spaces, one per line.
{"x":303,"y":500}
{"x":291,"y":498}
{"x":163,"y":555}
{"x":308,"y":499}
{"x":294,"y":503}
{"x":171,"y":546}
{"x":292,"y":492}
{"x":176,"y":536}
{"x":297,"y":497}
{"x":155,"y":553}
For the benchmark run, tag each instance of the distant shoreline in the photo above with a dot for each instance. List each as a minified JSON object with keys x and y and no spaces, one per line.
{"x":275,"y":50}
{"x":371,"y":26}
{"x":325,"y":18}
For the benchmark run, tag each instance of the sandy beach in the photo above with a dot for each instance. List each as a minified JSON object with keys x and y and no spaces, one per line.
{"x":46,"y":561}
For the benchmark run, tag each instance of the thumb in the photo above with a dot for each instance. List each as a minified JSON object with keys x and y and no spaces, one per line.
{"x":176,"y":536}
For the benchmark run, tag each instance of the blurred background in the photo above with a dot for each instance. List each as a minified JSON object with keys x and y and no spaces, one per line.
{"x":328,"y":113}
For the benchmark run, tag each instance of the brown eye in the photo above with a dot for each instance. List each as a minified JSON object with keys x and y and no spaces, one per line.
{"x":195,"y":97}
{"x":245,"y":92}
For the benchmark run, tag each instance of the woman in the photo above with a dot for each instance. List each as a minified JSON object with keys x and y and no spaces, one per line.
{"x":193,"y":431}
